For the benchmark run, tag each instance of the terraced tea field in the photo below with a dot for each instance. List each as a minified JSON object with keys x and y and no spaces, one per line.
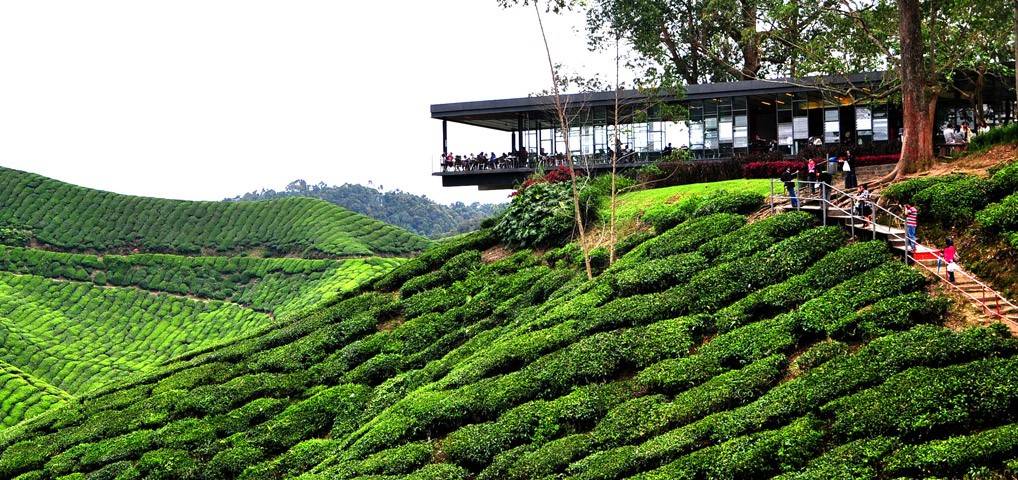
{"x":73,"y":322}
{"x":716,"y":349}
{"x":72,"y":218}
{"x":24,"y":396}
{"x":77,"y":336}
{"x":277,"y":285}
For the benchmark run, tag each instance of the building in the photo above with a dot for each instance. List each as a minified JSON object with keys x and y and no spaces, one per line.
{"x":722,"y":120}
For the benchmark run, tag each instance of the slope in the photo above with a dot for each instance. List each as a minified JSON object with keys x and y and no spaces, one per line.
{"x":281,"y":286}
{"x":25,"y":396}
{"x":67,"y":217}
{"x":77,"y":336}
{"x":717,"y":349}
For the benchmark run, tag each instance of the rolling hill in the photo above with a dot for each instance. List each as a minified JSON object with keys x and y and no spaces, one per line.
{"x":416,"y":213}
{"x":67,"y":217}
{"x":715,"y":349}
{"x":72,"y":322}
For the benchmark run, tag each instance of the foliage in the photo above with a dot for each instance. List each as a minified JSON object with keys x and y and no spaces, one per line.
{"x":950,"y":200}
{"x":995,"y":136}
{"x":279,"y":285}
{"x":72,"y":218}
{"x":691,"y":171}
{"x":542,"y":214}
{"x":634,"y":203}
{"x":416,"y":213}
{"x":716,"y":349}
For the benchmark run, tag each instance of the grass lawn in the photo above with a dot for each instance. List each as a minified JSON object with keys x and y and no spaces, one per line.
{"x":633,"y":203}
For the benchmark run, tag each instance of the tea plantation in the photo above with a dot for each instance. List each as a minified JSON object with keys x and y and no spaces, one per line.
{"x":716,"y":349}
{"x":277,"y":285}
{"x":66,"y":217}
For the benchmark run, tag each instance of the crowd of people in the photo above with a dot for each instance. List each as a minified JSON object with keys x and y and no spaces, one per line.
{"x":526,"y":159}
{"x":863,"y":206}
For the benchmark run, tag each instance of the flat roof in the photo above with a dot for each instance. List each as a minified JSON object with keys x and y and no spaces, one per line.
{"x":503,"y":114}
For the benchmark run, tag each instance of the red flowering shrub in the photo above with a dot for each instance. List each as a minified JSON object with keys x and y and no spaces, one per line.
{"x":770,"y":169}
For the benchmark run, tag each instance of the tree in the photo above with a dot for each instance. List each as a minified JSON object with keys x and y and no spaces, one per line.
{"x":924,"y":45}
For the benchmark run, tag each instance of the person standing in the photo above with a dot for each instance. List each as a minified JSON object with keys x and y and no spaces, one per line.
{"x":949,"y":257}
{"x":811,"y":175}
{"x":846,"y":163}
{"x":911,"y":223}
{"x":862,"y":205}
{"x":788,"y":178}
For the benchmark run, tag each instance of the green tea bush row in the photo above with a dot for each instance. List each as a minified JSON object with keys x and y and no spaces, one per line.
{"x":476,"y":445}
{"x":923,"y":401}
{"x":856,"y":459}
{"x":434,"y":257}
{"x":921,"y":346}
{"x":956,"y":455}
{"x":24,"y":396}
{"x":75,"y":218}
{"x":664,"y":217}
{"x":756,"y":454}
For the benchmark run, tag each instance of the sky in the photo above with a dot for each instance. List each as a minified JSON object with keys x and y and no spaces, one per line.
{"x":208,"y":99}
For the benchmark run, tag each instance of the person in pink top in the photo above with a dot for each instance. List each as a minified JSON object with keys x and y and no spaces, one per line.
{"x":811,"y":175}
{"x":949,"y":256}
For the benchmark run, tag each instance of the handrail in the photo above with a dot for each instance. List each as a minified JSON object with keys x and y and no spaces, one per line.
{"x":998,"y":298}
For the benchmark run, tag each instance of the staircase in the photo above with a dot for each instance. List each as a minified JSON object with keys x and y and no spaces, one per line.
{"x":835,"y":207}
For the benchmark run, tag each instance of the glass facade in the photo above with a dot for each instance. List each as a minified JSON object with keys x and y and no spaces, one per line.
{"x":727,"y":126}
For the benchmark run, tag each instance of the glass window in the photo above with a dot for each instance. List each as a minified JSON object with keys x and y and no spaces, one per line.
{"x":880,"y":123}
{"x":832,"y":130}
{"x":741,"y":132}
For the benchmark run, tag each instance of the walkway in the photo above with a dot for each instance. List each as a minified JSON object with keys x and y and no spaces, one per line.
{"x":889,"y":227}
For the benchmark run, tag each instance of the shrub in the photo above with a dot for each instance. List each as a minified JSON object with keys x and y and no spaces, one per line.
{"x":953,"y":202}
{"x":540,"y":215}
{"x":725,"y":202}
{"x":921,"y":401}
{"x":997,"y":135}
{"x":770,"y":169}
{"x":904,"y":191}
{"x":816,"y":355}
{"x":1000,"y":217}
{"x":1003,"y":180}
{"x":664,"y":174}
{"x":168,"y":463}
{"x":955,"y":455}
{"x":857,"y":459}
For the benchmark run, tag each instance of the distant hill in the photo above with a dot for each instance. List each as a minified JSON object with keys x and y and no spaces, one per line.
{"x":67,"y":217}
{"x":416,"y":213}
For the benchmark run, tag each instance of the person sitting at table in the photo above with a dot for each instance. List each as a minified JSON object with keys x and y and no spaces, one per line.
{"x":668,"y":150}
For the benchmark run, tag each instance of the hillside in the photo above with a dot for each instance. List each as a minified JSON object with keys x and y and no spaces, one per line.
{"x":66,"y":217}
{"x":715,"y":349}
{"x":416,"y":213}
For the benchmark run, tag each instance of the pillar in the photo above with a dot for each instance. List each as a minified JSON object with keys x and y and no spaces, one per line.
{"x":445,"y":137}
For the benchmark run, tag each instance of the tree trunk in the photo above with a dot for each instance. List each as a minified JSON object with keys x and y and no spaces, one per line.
{"x":1016,"y":47}
{"x":750,"y":41}
{"x":917,"y":101}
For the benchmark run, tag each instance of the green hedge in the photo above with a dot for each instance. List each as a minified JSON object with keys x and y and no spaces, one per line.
{"x":956,"y":455}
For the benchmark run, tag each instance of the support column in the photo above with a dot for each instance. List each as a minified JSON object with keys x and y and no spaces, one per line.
{"x":519,"y":128}
{"x":512,"y":146}
{"x":445,"y":137}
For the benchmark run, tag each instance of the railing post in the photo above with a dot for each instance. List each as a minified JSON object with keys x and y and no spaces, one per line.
{"x":823,"y":201}
{"x":772,"y":195}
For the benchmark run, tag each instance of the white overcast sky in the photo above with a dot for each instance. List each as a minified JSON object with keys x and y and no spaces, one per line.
{"x":212,"y":98}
